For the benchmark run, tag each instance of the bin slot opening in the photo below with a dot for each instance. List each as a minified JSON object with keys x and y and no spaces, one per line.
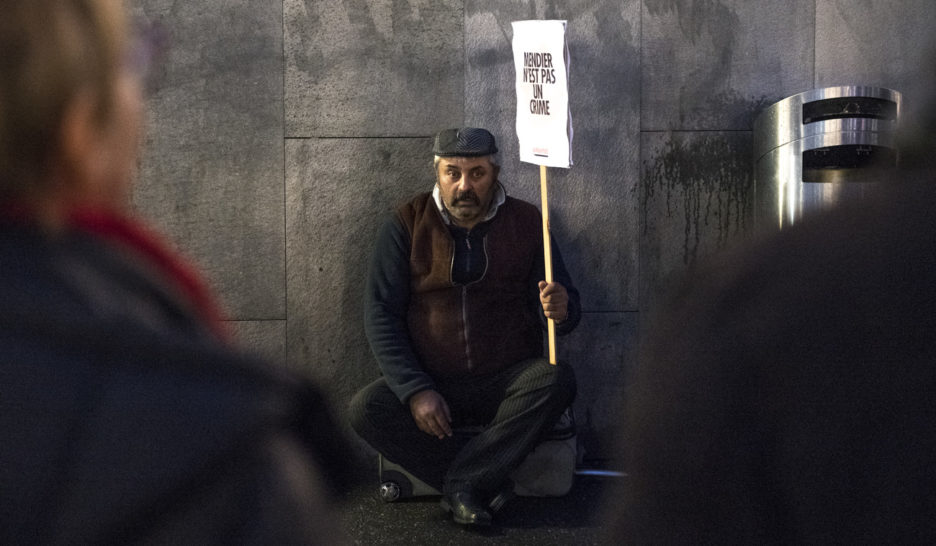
{"x":848,"y":162}
{"x":849,"y":107}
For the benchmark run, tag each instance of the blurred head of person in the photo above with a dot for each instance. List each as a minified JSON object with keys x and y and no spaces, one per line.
{"x":70,"y":107}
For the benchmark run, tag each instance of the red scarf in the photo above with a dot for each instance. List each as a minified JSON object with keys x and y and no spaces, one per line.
{"x":136,"y":236}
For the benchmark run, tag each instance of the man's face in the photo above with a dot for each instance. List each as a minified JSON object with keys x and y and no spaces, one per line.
{"x":467,"y":187}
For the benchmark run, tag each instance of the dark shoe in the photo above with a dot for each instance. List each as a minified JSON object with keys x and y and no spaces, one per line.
{"x":466,"y":509}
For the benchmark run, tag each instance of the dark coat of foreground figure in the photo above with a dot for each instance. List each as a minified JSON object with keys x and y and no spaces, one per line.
{"x":789,"y":394}
{"x":124,"y":419}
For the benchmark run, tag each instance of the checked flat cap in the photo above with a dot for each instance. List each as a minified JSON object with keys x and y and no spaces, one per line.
{"x":464,"y":142}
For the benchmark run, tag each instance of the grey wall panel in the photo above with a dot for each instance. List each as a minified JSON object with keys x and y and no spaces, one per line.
{"x":602,"y":350}
{"x":878,"y":43}
{"x":712,"y":65}
{"x":372,"y":67}
{"x":698,"y":198}
{"x":339,"y":191}
{"x":593,"y":205}
{"x":212,"y":172}
{"x":263,"y":338}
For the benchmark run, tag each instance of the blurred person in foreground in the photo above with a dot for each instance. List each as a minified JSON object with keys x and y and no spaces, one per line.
{"x":788,"y":393}
{"x":125,"y":414}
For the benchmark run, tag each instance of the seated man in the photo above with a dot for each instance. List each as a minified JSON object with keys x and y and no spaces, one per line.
{"x":454,"y":313}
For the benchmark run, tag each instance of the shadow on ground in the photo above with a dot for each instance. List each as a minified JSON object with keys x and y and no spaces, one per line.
{"x":573,"y":519}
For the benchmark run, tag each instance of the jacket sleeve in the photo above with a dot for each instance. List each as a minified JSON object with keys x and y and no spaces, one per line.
{"x":386,"y":301}
{"x":561,"y":276}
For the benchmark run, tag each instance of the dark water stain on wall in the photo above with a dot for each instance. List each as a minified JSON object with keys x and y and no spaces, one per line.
{"x":307,"y":58}
{"x":698,"y":18}
{"x":727,"y":109}
{"x":712,"y":31}
{"x":707,"y":182}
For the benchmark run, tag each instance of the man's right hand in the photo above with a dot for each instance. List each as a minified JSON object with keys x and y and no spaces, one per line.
{"x":431,"y":413}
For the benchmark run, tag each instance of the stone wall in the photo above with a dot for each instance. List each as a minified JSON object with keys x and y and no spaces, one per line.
{"x":280,"y":132}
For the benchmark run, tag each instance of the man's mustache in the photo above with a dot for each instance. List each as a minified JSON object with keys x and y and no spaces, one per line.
{"x":466,"y":197}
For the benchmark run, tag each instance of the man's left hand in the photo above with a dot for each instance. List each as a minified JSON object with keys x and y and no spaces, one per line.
{"x":555,"y":300}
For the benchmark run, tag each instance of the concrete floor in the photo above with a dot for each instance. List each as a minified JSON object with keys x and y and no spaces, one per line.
{"x":573,"y":519}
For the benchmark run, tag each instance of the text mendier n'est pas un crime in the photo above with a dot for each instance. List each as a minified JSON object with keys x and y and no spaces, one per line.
{"x":538,"y":70}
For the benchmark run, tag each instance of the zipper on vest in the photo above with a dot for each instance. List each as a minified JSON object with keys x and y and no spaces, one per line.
{"x":487,"y":263}
{"x":465,"y":322}
{"x":468,"y":261}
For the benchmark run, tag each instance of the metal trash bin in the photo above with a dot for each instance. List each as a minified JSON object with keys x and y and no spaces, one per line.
{"x":820,"y":147}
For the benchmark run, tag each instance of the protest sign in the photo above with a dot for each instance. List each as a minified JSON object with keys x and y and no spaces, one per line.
{"x":544,"y":122}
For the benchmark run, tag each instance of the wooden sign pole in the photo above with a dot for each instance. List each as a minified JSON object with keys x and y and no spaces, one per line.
{"x":547,"y":258}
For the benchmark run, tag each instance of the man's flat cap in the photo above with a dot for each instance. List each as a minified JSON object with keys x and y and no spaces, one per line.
{"x":464,"y":142}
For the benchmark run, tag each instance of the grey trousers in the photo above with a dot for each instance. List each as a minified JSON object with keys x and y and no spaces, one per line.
{"x":515,"y":408}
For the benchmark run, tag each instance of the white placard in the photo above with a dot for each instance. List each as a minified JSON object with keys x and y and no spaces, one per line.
{"x":544,"y":121}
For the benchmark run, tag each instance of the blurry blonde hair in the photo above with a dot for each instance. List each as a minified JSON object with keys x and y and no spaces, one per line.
{"x":50,"y":52}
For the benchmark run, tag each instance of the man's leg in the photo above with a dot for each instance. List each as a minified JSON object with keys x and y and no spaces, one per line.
{"x":379,"y":417}
{"x":527,"y":400}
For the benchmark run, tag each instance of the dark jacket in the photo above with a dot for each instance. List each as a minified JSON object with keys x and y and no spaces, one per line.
{"x":424,"y":324}
{"x":787,"y":395}
{"x":123,"y":419}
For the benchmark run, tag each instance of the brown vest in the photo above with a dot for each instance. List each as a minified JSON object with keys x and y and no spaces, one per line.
{"x":484,"y":326}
